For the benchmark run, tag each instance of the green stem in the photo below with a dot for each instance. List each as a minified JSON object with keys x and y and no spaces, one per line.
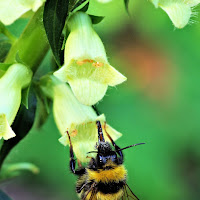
{"x":7,"y":33}
{"x":10,"y":36}
{"x":32,"y":45}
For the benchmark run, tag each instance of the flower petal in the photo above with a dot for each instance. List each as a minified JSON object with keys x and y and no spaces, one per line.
{"x":114,"y":77}
{"x":68,"y":111}
{"x":88,"y":92}
{"x":192,"y":2}
{"x":6,"y":131}
{"x":85,"y":136}
{"x":89,"y":79}
{"x":10,"y":10}
{"x":16,"y":78}
{"x":178,"y":12}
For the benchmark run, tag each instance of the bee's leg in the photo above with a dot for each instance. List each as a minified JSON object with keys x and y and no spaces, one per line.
{"x":119,"y":152}
{"x":73,"y":161}
{"x":100,"y":132}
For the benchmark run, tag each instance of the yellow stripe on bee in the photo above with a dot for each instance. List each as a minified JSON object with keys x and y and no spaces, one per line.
{"x":115,"y":196}
{"x":106,"y":176}
{"x":101,"y":196}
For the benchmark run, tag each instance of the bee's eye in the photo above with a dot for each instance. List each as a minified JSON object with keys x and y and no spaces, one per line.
{"x":113,"y":157}
{"x":101,"y":158}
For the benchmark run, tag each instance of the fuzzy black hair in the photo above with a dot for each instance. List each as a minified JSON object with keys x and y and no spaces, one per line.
{"x":104,"y":147}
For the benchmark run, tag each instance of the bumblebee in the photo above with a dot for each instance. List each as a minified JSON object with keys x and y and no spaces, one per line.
{"x":105,"y":176}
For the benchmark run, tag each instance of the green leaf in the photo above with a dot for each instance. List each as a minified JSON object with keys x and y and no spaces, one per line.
{"x":4,"y":46}
{"x":81,"y":5}
{"x":25,"y":94}
{"x":10,"y":38}
{"x":72,"y":4}
{"x":43,"y":107}
{"x":1,"y":73}
{"x":18,"y":59}
{"x":42,"y":112}
{"x":41,"y":97}
{"x":4,"y":196}
{"x":126,"y":3}
{"x":9,"y":171}
{"x":55,"y":14}
{"x":85,"y":8}
{"x":4,"y":66}
{"x":96,"y":19}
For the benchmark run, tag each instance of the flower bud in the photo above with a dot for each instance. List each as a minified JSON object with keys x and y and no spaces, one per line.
{"x":179,"y":11}
{"x":16,"y":78}
{"x":72,"y":116}
{"x":86,"y":67}
{"x":10,"y":10}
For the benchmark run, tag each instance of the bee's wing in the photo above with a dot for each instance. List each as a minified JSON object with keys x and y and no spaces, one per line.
{"x":92,"y":190}
{"x":128,"y":193}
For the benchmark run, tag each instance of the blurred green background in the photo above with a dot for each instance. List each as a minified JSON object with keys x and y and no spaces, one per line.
{"x":159,"y":105}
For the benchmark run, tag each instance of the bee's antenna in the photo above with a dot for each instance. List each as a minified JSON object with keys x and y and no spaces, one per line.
{"x":100,"y":132}
{"x":130,"y":146}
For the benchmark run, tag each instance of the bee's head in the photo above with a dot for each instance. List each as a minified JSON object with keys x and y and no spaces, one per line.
{"x":105,"y":154}
{"x":104,"y":150}
{"x":103,"y":147}
{"x":107,"y":158}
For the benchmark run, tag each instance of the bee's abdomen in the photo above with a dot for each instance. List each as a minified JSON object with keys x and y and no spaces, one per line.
{"x":110,"y":188}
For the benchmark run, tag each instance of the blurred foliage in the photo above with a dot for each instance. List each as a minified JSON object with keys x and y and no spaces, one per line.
{"x":158,"y":105}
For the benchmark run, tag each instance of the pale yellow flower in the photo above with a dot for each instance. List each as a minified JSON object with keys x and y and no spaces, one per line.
{"x":10,"y":10}
{"x":179,"y":11}
{"x":16,"y":78}
{"x":72,"y":116}
{"x":86,"y":67}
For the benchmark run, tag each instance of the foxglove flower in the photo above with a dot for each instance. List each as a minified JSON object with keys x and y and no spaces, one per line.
{"x":72,"y":116}
{"x":179,"y":11}
{"x":16,"y":78}
{"x":10,"y":10}
{"x":86,"y":67}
